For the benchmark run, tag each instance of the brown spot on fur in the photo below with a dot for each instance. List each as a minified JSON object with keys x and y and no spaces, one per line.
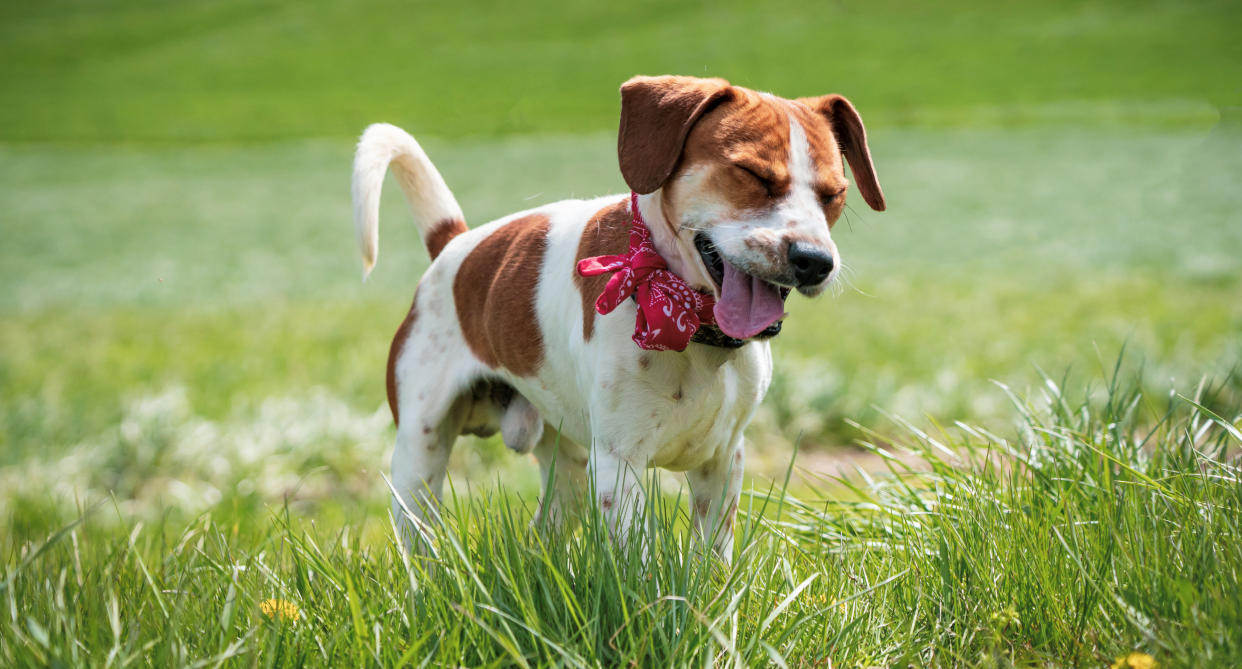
{"x":644,"y":361}
{"x":792,"y":237}
{"x":394,"y":354}
{"x":742,"y":146}
{"x":605,"y":502}
{"x":771,"y":245}
{"x":677,"y":395}
{"x":494,"y":292}
{"x":607,"y":233}
{"x":439,"y":234}
{"x":702,"y":505}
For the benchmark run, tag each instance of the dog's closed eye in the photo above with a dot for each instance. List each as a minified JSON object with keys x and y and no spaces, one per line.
{"x":766,"y":182}
{"x":827,"y":199}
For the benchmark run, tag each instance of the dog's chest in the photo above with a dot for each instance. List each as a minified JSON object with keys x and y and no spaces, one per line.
{"x":694,"y":405}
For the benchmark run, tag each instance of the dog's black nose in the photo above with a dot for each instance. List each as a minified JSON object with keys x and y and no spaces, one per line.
{"x":811,"y":264}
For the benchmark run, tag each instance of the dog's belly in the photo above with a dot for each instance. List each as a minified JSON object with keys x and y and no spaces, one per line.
{"x":664,"y":409}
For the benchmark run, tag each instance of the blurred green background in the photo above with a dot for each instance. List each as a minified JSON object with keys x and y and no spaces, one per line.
{"x":183,"y":322}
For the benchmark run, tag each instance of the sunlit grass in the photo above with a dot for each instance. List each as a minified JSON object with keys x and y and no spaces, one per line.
{"x":230,"y":271}
{"x":1109,"y":523}
{"x":229,"y":70}
{"x":192,"y":419}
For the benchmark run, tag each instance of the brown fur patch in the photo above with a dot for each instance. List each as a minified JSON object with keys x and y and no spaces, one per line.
{"x":441,"y":233}
{"x":494,"y":292}
{"x":701,"y":505}
{"x":850,"y":136}
{"x":744,"y":145}
{"x":656,"y":115}
{"x":394,"y":354}
{"x":607,"y":233}
{"x":774,"y":248}
{"x":825,"y":156}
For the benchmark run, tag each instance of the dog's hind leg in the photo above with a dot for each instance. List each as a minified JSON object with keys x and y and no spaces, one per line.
{"x":419,"y":463}
{"x":433,"y":391}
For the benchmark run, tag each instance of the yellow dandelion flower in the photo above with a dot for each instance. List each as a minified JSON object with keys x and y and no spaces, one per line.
{"x":1135,"y":660}
{"x":280,"y":609}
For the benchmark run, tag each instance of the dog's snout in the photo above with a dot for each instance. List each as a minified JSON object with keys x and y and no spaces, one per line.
{"x":811,"y":264}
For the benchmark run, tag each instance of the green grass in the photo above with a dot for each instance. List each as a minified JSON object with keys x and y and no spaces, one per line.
{"x":192,"y":414}
{"x":1109,"y":523}
{"x":232,"y":69}
{"x":231,"y":271}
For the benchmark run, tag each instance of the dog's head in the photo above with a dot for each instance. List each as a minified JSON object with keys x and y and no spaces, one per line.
{"x":750,"y":181}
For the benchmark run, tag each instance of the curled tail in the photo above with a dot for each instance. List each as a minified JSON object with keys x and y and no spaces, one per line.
{"x":436,"y":211}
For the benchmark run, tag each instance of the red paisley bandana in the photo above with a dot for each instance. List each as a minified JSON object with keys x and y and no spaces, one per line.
{"x":669,"y":310}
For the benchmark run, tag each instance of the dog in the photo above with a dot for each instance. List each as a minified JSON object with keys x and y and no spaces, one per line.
{"x":518,"y":327}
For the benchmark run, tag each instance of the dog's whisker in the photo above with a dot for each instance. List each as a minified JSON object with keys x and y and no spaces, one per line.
{"x":847,"y":278}
{"x":845,"y":213}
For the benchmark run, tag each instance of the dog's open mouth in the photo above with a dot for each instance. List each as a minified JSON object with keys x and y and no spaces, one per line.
{"x":748,"y":306}
{"x":711,"y":257}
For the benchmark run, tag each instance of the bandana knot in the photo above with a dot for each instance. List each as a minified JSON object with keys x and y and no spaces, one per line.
{"x":669,"y":310}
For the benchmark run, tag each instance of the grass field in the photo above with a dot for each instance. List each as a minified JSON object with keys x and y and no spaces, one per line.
{"x":192,"y":412}
{"x":230,"y":69}
{"x":1083,"y":540}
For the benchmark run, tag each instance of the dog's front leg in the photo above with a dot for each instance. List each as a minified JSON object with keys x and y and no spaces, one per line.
{"x":715,"y":489}
{"x":617,"y":484}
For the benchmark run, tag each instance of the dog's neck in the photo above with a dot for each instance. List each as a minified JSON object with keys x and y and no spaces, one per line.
{"x":681,"y":256}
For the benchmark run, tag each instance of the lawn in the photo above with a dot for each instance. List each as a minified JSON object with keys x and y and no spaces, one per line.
{"x":1084,"y":539}
{"x":192,"y":413}
{"x":229,"y":70}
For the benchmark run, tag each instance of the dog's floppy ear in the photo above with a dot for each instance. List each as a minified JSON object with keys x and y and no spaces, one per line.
{"x":657,"y":114}
{"x":847,"y":125}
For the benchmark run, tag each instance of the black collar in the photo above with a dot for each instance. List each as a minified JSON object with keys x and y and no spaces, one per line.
{"x":712,"y":336}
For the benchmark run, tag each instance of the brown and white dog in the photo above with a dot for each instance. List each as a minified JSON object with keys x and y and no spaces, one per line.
{"x":503,"y":335}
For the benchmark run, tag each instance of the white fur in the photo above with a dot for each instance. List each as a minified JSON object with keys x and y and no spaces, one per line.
{"x":431,"y":200}
{"x":605,"y":415}
{"x":799,"y":214}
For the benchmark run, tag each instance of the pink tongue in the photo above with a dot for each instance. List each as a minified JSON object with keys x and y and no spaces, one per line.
{"x":747,"y":305}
